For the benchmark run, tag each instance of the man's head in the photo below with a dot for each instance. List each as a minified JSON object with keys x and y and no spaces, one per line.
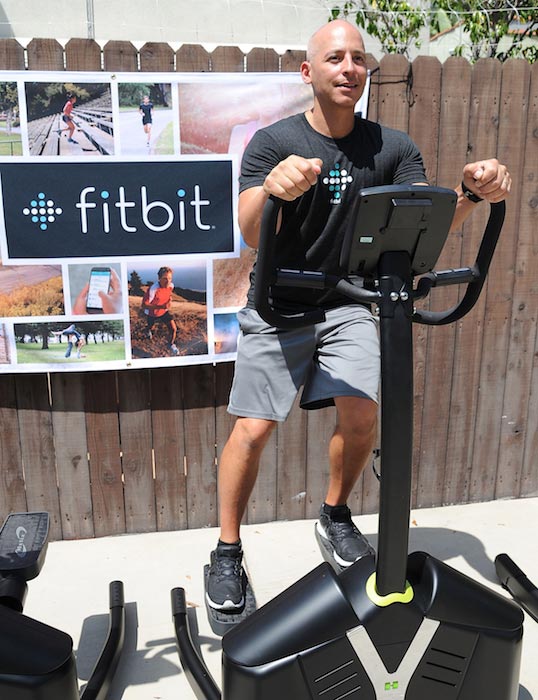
{"x":165,"y":276}
{"x":335,"y":64}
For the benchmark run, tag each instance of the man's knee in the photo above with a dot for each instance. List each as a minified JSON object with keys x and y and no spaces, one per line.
{"x":253,"y":433}
{"x":357,"y":415}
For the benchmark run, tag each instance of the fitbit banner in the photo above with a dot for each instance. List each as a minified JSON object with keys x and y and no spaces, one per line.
{"x":119,"y":240}
{"x":58,"y":210}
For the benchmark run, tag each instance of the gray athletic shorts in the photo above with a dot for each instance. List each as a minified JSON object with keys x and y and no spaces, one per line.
{"x":337,"y":357}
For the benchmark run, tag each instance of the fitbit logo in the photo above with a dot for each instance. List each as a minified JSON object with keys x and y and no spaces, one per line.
{"x":42,"y":211}
{"x":337,"y":182}
{"x":157,"y":215}
{"x":20,"y":534}
{"x":62,"y":210}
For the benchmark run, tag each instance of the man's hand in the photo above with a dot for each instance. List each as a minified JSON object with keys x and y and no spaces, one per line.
{"x":112,"y":302}
{"x":488,"y":179}
{"x":292,"y":177}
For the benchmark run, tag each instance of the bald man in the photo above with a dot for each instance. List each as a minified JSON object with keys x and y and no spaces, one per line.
{"x":316,"y":162}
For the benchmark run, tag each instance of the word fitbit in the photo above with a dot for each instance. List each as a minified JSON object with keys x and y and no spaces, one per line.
{"x":156,"y":215}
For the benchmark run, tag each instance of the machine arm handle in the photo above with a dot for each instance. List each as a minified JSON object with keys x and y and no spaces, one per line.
{"x":266,"y":276}
{"x":475,"y":276}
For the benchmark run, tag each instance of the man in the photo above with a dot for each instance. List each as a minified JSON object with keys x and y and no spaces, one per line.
{"x":156,"y":305}
{"x":68,"y":118}
{"x":316,"y":162}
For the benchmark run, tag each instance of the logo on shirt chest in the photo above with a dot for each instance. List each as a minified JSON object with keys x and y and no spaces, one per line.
{"x":337,"y":182}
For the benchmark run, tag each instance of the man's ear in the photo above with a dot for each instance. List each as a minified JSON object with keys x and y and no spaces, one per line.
{"x":305,"y":72}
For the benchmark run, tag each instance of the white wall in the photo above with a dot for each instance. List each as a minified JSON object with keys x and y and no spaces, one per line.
{"x":279,"y":24}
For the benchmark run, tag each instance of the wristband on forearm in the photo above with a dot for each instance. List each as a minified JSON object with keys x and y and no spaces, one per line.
{"x":471,"y":196}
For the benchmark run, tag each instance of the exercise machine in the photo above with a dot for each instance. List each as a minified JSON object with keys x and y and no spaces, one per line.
{"x":392,"y":626}
{"x":37,"y":661}
{"x":516,"y":582}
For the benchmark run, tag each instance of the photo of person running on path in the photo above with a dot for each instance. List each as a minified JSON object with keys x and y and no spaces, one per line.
{"x":156,"y":304}
{"x":145,"y":109}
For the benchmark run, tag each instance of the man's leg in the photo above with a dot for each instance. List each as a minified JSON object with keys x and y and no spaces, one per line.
{"x":349,"y":449}
{"x":173,"y":331}
{"x":238,"y":469}
{"x":351,"y":445}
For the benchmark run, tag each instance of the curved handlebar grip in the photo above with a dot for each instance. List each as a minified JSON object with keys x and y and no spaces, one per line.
{"x":483,"y":261}
{"x":265,"y":274}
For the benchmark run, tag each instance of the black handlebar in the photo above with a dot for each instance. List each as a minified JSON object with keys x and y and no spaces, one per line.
{"x":475,"y":276}
{"x":267,"y":276}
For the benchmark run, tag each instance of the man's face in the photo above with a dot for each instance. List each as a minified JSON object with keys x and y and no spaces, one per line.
{"x":166,"y":279}
{"x":336,"y":68}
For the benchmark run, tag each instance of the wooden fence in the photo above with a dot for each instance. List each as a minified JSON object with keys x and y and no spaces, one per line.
{"x":137,"y":450}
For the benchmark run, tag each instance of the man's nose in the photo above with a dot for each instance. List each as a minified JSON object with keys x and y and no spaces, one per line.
{"x":347,"y":63}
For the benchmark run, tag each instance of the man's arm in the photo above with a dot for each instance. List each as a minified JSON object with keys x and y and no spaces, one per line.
{"x":288,"y":180}
{"x":487,"y":179}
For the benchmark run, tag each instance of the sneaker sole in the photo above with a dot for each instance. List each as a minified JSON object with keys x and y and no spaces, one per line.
{"x":227,"y":606}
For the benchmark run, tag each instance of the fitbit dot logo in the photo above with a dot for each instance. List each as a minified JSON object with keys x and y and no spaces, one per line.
{"x":20,"y":534}
{"x":42,"y":211}
{"x":337,"y":182}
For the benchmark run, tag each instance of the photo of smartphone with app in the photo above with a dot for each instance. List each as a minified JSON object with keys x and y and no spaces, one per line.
{"x":99,"y":282}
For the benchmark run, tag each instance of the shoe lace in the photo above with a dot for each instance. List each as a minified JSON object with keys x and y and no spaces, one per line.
{"x":341,"y":529}
{"x":227,"y":567}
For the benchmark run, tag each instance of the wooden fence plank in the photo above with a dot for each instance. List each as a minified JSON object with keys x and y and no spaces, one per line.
{"x":424,"y":118}
{"x":104,"y":449}
{"x":456,"y":92}
{"x":437,"y":361}
{"x":192,"y":58}
{"x":37,"y":447}
{"x":199,"y":429}
{"x":291,"y":465}
{"x":229,"y":59}
{"x":137,"y":458}
{"x":394,"y":91}
{"x":156,"y":57}
{"x":70,"y":446}
{"x":513,"y":111}
{"x":290,"y":61}
{"x":262,"y":61}
{"x":120,"y":56}
{"x":11,"y":55}
{"x":519,"y":428}
{"x":45,"y":54}
{"x":82,"y":54}
{"x":482,"y":143}
{"x":169,"y":448}
{"x":12,"y":491}
{"x":373,"y":95}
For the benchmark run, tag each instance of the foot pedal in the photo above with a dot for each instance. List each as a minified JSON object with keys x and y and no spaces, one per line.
{"x":221,"y":621}
{"x":23,"y":545}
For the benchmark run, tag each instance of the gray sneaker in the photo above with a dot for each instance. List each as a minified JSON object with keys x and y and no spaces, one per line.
{"x":339,"y":535}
